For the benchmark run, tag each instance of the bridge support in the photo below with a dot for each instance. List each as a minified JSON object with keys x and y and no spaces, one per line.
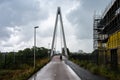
{"x":63,"y":34}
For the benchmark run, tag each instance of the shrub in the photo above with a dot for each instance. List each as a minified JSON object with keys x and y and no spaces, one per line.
{"x":99,"y":69}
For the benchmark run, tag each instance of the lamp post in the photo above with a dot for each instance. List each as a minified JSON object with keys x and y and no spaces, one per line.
{"x":48,"y":49}
{"x":35,"y":42}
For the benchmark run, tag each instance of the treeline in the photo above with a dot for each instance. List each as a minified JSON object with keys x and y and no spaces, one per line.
{"x":15,"y":59}
{"x":80,"y":56}
{"x":94,"y":58}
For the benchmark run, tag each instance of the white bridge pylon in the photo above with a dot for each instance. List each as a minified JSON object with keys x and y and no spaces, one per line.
{"x":59,"y":15}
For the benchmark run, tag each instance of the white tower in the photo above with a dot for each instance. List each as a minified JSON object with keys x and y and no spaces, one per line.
{"x":58,"y":15}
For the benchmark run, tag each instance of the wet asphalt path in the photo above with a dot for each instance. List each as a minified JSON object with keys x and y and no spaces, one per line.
{"x":84,"y":74}
{"x":55,"y":70}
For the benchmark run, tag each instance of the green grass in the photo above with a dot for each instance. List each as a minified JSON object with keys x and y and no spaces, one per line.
{"x":23,"y":72}
{"x":99,"y":69}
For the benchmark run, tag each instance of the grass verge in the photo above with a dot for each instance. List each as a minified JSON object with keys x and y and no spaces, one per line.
{"x":24,"y":72}
{"x":99,"y":69}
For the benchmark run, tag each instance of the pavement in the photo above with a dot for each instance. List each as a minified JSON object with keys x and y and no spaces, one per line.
{"x":55,"y":70}
{"x":83,"y":73}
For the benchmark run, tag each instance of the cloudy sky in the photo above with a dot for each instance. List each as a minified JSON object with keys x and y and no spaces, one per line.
{"x":18,"y":18}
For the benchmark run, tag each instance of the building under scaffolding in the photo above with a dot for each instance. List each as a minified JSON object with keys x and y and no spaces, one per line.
{"x":106,"y":34}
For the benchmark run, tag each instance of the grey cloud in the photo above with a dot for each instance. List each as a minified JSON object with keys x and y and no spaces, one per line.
{"x":8,"y":45}
{"x":20,"y":13}
{"x":95,"y":4}
{"x":82,"y":17}
{"x":4,"y":34}
{"x":46,"y":33}
{"x":2,"y":1}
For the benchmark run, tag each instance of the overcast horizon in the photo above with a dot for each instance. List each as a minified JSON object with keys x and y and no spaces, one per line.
{"x":19,"y":17}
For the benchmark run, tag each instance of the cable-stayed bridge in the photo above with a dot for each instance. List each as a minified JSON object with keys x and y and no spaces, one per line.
{"x":60,"y":68}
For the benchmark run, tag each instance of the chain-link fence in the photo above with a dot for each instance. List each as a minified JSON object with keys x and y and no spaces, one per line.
{"x":26,"y":56}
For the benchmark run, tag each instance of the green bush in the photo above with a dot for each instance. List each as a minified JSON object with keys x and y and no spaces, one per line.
{"x":19,"y":65}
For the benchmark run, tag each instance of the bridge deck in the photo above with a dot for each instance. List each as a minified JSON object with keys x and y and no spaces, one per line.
{"x":55,"y":70}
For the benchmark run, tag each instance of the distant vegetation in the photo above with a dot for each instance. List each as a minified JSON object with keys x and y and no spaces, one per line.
{"x":89,"y":62}
{"x":19,"y":65}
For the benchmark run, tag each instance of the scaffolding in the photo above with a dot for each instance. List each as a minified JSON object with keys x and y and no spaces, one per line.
{"x":96,"y":29}
{"x":106,"y":24}
{"x":106,"y":33}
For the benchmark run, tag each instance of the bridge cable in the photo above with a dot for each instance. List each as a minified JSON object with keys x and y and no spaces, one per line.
{"x":61,"y":37}
{"x":55,"y":40}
